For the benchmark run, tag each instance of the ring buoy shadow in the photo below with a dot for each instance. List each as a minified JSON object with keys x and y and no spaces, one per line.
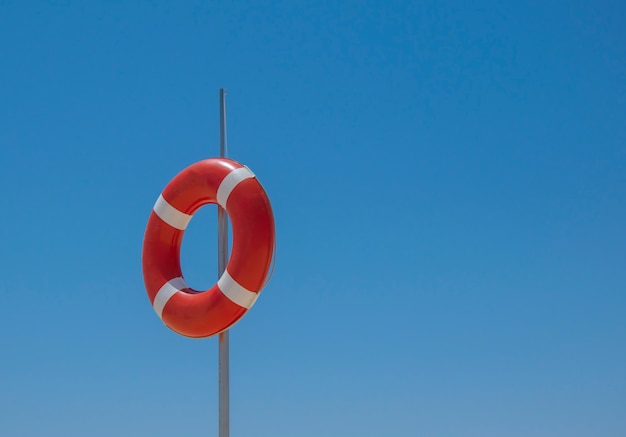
{"x":234,"y":187}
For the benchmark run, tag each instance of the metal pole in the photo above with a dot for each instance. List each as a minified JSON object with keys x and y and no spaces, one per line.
{"x":222,"y":253}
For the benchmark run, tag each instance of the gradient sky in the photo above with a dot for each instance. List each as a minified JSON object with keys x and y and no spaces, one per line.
{"x":448,"y":180}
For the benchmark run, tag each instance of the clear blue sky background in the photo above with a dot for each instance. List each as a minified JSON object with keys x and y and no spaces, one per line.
{"x":448,"y":180}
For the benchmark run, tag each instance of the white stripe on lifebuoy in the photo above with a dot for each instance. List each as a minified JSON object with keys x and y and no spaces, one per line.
{"x":230,"y":182}
{"x":166,"y":292}
{"x":235,"y":292}
{"x":171,"y":215}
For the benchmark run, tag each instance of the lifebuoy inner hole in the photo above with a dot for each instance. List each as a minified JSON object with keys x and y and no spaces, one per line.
{"x":198,"y":251}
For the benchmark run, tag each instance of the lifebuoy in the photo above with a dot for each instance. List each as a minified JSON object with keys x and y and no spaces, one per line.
{"x":234,"y":187}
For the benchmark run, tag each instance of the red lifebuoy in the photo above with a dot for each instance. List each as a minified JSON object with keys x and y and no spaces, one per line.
{"x":235,"y":188}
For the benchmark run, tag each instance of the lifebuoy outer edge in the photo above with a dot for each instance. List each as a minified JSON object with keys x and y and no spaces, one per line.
{"x":234,"y":187}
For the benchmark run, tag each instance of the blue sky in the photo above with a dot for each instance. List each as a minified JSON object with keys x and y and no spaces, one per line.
{"x":448,"y":181}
